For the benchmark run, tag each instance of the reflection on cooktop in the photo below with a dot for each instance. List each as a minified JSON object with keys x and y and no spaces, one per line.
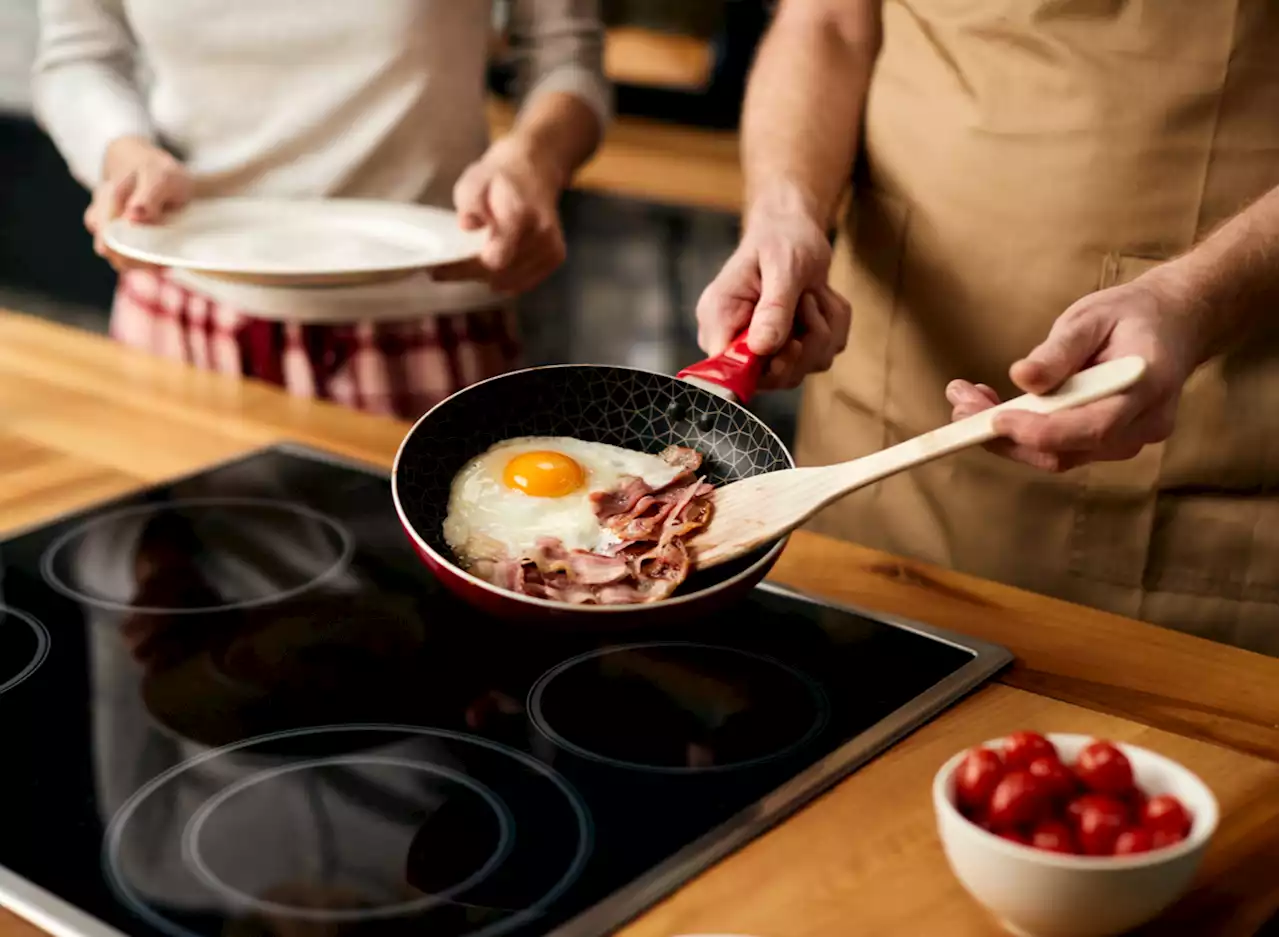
{"x":24,"y":643}
{"x":256,"y":713}
{"x":677,"y":707}
{"x":198,"y":555}
{"x":397,"y":822}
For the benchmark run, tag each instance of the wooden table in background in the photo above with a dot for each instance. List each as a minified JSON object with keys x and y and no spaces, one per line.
{"x":652,"y":160}
{"x":82,"y":420}
{"x":656,"y":162}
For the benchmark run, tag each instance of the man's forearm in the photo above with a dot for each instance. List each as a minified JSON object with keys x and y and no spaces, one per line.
{"x":1229,"y":279}
{"x":804,"y":104}
{"x":559,"y":131}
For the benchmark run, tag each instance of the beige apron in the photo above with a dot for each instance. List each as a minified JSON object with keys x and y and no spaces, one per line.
{"x":1020,"y":154}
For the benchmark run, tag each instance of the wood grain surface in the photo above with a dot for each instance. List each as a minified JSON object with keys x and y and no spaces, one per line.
{"x":865,"y":859}
{"x":82,"y":419}
{"x":656,"y":162}
{"x":634,"y":55}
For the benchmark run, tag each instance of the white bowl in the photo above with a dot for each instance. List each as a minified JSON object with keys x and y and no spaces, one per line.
{"x":1035,"y":893}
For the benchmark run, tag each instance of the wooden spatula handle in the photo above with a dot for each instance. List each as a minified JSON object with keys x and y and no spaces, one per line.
{"x":1089,"y":385}
{"x":756,"y":510}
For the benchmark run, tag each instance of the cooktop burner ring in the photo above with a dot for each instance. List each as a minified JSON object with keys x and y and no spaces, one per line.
{"x":37,"y":654}
{"x":191,"y":844}
{"x":129,"y":896}
{"x":536,"y":705}
{"x":340,"y":562}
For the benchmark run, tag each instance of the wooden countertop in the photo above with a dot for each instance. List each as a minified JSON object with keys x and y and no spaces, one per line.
{"x":82,"y":420}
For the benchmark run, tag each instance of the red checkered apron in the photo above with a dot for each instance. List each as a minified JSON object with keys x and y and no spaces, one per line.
{"x":400,"y":368}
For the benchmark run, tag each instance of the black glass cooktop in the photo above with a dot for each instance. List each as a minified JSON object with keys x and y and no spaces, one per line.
{"x":237,"y":704}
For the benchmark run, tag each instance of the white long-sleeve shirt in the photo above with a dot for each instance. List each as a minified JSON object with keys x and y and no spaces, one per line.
{"x":308,"y":98}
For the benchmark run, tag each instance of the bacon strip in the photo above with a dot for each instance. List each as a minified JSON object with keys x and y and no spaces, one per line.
{"x":648,"y":563}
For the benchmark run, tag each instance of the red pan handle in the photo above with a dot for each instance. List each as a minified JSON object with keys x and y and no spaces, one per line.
{"x":736,"y":370}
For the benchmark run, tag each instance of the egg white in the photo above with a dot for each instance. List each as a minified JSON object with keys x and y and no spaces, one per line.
{"x":486,"y":518}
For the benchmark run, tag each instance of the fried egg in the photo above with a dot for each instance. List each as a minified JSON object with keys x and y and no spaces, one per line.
{"x":540,"y":486}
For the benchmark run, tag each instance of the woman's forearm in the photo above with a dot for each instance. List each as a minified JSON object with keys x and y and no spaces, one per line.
{"x":83,"y":82}
{"x":804,"y":105}
{"x":559,"y":131}
{"x":558,"y":48}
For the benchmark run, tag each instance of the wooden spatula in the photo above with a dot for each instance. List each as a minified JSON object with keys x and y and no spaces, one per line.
{"x":749,"y":513}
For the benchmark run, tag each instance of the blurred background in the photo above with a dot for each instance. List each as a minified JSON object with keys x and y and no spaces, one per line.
{"x":649,"y":223}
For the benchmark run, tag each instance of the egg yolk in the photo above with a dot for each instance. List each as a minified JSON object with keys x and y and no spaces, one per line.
{"x":543,"y":474}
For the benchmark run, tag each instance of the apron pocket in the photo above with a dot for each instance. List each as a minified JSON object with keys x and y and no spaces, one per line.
{"x":1115,"y":512}
{"x":1177,"y":522}
{"x":866,"y":269}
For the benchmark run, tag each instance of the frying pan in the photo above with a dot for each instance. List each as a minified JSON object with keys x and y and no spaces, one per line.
{"x":626,"y":407}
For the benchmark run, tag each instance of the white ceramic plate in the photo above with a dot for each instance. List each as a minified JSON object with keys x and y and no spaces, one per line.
{"x":299,"y":242}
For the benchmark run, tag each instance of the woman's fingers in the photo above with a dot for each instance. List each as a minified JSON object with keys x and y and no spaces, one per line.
{"x":158,"y":189}
{"x":108,"y":202}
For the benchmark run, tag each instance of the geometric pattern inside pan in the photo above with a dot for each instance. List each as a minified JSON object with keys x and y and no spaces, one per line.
{"x":620,"y":406}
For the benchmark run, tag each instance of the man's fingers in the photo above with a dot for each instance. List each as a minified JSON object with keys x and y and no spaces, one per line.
{"x":819,"y":349}
{"x":1123,"y":443}
{"x":1077,"y":430}
{"x":978,"y":396}
{"x":722,"y":311}
{"x":969,"y":399}
{"x":785,"y":369}
{"x":774,"y":314}
{"x":1071,"y":343}
{"x":970,"y":405}
{"x":838,"y":313}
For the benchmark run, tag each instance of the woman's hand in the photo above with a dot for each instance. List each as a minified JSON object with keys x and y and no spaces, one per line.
{"x":514,"y":194}
{"x":1153,"y":317}
{"x":141,"y":182}
{"x":777,"y":281}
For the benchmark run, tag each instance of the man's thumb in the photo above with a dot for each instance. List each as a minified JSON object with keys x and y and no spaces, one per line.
{"x":1067,"y":349}
{"x":774,"y":315}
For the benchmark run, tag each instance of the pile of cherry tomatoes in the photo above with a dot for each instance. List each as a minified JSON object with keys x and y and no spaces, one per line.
{"x":1092,"y":808}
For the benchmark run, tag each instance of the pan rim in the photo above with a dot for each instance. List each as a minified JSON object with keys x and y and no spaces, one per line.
{"x":765,"y":559}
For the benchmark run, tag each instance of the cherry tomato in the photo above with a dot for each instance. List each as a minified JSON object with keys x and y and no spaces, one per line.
{"x":1162,"y":838}
{"x":1097,"y":821}
{"x":1104,"y":769}
{"x":1053,"y":836}
{"x":1022,"y":748}
{"x":1054,"y":776}
{"x":1136,"y":801}
{"x":1015,"y":835}
{"x":1165,"y":812}
{"x":1132,"y":841}
{"x":976,"y":778}
{"x":1018,"y":799}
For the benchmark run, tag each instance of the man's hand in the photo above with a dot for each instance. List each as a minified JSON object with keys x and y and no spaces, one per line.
{"x":777,"y":281}
{"x":140,"y":182}
{"x":1152,"y":317}
{"x":514,"y":195}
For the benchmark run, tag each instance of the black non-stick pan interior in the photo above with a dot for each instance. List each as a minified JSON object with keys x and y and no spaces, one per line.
{"x":620,"y":406}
